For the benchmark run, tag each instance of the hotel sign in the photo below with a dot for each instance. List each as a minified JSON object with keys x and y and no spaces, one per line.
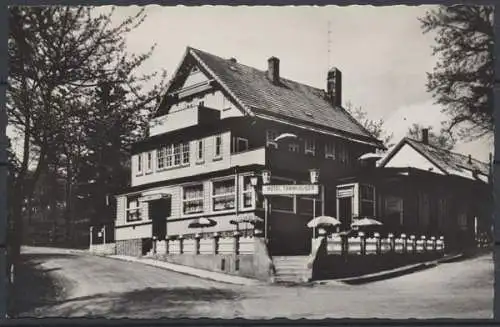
{"x":153,"y":197}
{"x":292,"y":189}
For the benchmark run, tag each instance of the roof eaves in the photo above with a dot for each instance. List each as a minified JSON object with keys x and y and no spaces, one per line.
{"x":316,"y":129}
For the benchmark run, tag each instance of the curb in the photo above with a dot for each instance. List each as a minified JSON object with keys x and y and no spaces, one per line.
{"x":394,"y":272}
{"x":186,"y":270}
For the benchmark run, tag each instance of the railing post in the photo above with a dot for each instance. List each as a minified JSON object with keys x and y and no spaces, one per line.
{"x":154,"y":244}
{"x":405,"y":243}
{"x":413,"y":243}
{"x":197,"y":238}
{"x":181,"y":244}
{"x":434,"y":245}
{"x":392,"y":242}
{"x":378,"y":243}
{"x":167,"y":245}
{"x":236,"y":242}
{"x":344,"y":246}
{"x":362,"y":237}
{"x":216,"y":243}
{"x":424,"y":243}
{"x":441,"y":238}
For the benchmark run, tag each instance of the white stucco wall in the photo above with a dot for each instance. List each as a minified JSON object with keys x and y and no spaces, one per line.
{"x":409,"y":157}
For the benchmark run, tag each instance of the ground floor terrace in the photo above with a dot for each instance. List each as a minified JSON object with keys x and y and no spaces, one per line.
{"x":406,"y":201}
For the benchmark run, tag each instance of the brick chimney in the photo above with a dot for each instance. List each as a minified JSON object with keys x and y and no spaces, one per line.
{"x":273,"y":70}
{"x":425,"y":135}
{"x":334,"y":86}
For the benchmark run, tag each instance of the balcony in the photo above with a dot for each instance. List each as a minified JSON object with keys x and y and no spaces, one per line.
{"x":246,"y":158}
{"x":192,"y":115}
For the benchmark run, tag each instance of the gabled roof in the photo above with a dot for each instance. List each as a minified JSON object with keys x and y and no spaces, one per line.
{"x":291,"y":101}
{"x":449,"y":162}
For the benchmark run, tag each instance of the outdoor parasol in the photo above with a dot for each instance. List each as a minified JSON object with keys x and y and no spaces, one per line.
{"x":202,"y":223}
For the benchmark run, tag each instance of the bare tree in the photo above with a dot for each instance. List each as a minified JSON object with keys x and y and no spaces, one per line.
{"x":375,"y":127}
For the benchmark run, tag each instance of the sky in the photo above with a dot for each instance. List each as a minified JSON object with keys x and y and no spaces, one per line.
{"x":381,"y":51}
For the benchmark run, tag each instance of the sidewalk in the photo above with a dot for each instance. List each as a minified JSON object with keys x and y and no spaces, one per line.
{"x":386,"y":274}
{"x":211,"y":275}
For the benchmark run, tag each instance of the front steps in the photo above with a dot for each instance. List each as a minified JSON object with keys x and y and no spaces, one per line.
{"x":291,"y":269}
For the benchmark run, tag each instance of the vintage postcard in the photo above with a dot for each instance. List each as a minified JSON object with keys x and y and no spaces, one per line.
{"x":250,"y":162}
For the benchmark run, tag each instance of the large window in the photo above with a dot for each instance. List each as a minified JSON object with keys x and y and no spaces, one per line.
{"x":330,"y":150}
{"x":192,"y":199}
{"x":285,"y":203}
{"x":133,"y":209}
{"x":310,"y":147}
{"x":305,"y":206}
{"x":367,"y":200}
{"x":173,"y":155}
{"x":248,"y":193}
{"x":223,"y":195}
{"x":271,"y":135}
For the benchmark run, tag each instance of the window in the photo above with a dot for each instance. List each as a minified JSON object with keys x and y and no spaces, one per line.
{"x":150,"y":161}
{"x":199,"y":151}
{"x":247,"y":193}
{"x":177,"y":154}
{"x":240,"y":144}
{"x":169,"y":156}
{"x":223,"y":195}
{"x":160,"y":158}
{"x":293,"y":147}
{"x":271,"y":135}
{"x":133,"y":209}
{"x":192,"y":199}
{"x":367,"y":199}
{"x":330,"y":150}
{"x":305,"y":206}
{"x":139,"y":163}
{"x":310,"y":147}
{"x":185,"y":153}
{"x":173,"y":155}
{"x":218,"y":146}
{"x":284,"y":203}
{"x":343,"y":153}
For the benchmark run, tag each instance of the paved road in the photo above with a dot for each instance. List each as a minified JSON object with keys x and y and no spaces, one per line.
{"x":84,"y":285}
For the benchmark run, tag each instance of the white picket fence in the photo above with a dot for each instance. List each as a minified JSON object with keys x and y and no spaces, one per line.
{"x":378,"y":245}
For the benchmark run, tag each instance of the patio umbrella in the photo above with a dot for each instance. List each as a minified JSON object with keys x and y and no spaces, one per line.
{"x":252,"y":219}
{"x":325,"y":221}
{"x":284,"y":136}
{"x":202,"y":223}
{"x":366,"y":222}
{"x":370,"y":155}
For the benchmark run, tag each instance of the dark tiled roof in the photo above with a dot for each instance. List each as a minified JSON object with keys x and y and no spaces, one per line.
{"x":451,"y":162}
{"x":288,"y":99}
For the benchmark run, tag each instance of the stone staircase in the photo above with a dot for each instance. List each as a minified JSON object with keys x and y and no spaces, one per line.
{"x":291,"y":269}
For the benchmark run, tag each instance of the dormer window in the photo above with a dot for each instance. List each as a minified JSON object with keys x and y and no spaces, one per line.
{"x":271,"y":135}
{"x":310,"y":147}
{"x":218,"y":147}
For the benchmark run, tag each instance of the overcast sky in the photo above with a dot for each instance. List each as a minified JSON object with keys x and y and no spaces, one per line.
{"x":381,"y":52}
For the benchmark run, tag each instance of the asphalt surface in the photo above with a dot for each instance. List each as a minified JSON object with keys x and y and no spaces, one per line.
{"x":64,"y":284}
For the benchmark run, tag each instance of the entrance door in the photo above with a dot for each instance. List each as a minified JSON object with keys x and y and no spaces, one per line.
{"x":159,"y":210}
{"x":345,"y":211}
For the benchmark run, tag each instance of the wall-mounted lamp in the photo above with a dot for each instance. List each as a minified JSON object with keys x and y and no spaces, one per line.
{"x":254,"y":180}
{"x":314,"y":176}
{"x":266,"y":176}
